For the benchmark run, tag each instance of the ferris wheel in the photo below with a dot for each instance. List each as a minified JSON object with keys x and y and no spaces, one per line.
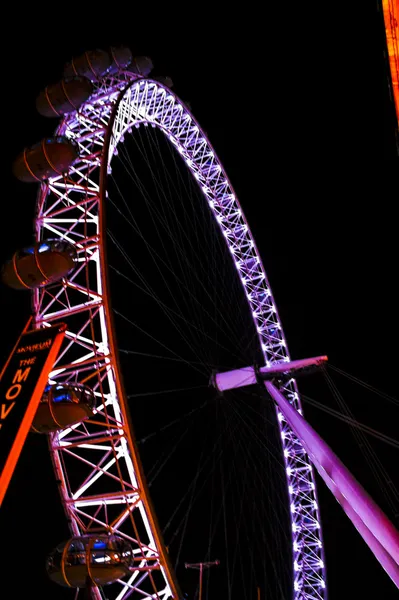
{"x":116,"y":541}
{"x":102,"y":97}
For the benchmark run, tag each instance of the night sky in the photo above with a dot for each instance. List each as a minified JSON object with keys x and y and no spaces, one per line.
{"x":300,"y":116}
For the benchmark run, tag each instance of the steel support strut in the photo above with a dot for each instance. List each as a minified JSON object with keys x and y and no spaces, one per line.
{"x":252,"y":375}
{"x":373,"y":525}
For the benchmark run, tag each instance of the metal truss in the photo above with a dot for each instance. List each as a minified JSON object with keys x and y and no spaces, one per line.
{"x":96,"y":462}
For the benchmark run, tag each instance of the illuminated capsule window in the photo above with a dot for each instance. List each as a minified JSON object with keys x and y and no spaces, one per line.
{"x":51,"y":157}
{"x":63,"y":405}
{"x":39,"y":265}
{"x":98,"y":559}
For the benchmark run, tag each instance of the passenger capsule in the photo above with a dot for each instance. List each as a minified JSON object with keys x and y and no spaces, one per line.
{"x":93,"y":64}
{"x":63,"y":405}
{"x":164,"y":80}
{"x":39,"y":265}
{"x":64,"y":97}
{"x":48,"y":158}
{"x":121,"y":58}
{"x":98,"y":559}
{"x":141,"y":65}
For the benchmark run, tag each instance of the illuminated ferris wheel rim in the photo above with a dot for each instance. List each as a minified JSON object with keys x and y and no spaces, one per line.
{"x":253,"y":279}
{"x":144,"y":100}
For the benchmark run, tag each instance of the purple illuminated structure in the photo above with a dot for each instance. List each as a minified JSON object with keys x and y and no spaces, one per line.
{"x":71,"y":207}
{"x":237,"y":378}
{"x":375,"y":528}
{"x":373,"y":525}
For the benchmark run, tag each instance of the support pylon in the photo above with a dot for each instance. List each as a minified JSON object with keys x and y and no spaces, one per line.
{"x":201,"y":566}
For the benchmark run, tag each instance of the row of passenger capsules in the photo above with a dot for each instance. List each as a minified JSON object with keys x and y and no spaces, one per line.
{"x":55,"y":156}
{"x":90,"y":559}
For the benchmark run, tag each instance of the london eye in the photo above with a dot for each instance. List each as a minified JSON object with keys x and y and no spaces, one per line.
{"x":115,"y":117}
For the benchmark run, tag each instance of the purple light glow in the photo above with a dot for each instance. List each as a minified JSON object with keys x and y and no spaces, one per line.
{"x":373,"y":525}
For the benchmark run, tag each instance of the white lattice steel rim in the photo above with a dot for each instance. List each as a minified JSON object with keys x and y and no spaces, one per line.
{"x":112,"y":494}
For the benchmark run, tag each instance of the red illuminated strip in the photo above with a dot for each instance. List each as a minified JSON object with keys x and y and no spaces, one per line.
{"x":391,"y":14}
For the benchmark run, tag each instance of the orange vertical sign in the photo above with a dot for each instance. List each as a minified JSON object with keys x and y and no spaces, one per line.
{"x":22,"y":383}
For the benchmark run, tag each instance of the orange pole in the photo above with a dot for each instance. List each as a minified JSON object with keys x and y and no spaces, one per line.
{"x":200,"y":582}
{"x":200,"y":567}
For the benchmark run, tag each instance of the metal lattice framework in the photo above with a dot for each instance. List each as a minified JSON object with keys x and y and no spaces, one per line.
{"x":96,"y":462}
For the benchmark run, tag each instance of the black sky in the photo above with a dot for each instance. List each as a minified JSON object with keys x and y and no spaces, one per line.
{"x":298,"y":110}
